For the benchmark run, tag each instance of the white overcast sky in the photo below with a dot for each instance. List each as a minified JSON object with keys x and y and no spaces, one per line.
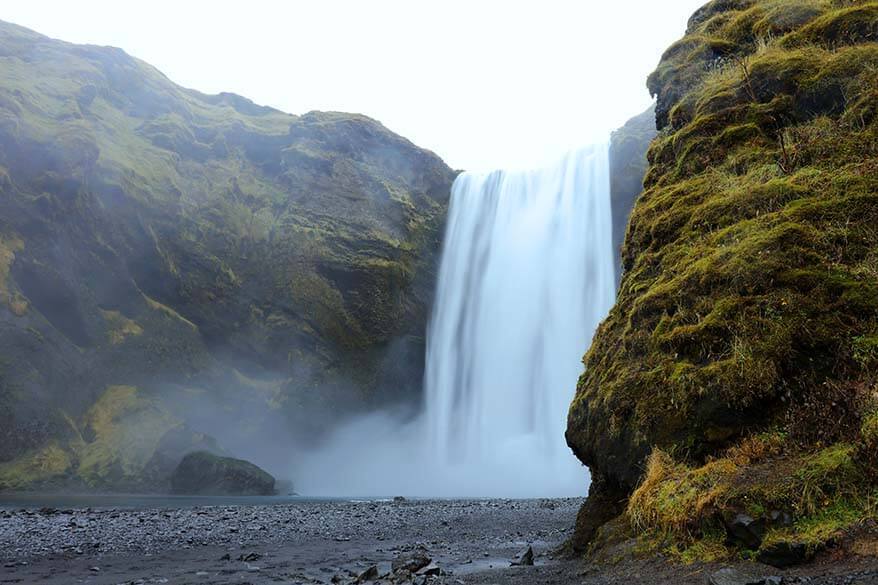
{"x":482,"y":83}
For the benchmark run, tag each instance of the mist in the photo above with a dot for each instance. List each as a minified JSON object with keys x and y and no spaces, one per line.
{"x":384,"y":455}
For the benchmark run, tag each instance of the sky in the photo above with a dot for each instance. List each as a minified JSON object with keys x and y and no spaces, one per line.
{"x":484,"y":84}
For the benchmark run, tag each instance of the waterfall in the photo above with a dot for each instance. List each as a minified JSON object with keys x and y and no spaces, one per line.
{"x":526,"y":275}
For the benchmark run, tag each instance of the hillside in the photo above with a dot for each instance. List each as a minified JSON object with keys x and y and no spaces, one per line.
{"x":174,"y":264}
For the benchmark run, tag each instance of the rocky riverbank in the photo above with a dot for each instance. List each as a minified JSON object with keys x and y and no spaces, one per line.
{"x":440,"y":542}
{"x":308,"y":542}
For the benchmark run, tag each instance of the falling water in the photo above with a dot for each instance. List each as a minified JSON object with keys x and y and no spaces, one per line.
{"x":526,"y":276}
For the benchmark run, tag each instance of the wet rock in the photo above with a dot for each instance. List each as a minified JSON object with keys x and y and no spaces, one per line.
{"x":524,"y":558}
{"x":226,"y":557}
{"x":249,"y":557}
{"x":729,"y":576}
{"x":370,"y":574}
{"x":783,"y":554}
{"x":431,"y":570}
{"x":204,"y":473}
{"x":746,"y":531}
{"x":412,"y":563}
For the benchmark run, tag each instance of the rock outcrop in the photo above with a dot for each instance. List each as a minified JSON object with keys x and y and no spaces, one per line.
{"x":203,"y":473}
{"x":748,"y":310}
{"x":628,"y":146}
{"x":235,"y":268}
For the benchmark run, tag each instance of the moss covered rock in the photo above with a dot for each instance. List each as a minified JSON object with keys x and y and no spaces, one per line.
{"x":203,"y":473}
{"x":228,"y":260}
{"x":750,"y":285}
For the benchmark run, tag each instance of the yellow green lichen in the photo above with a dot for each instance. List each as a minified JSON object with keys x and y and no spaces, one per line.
{"x":119,"y":327}
{"x":121,"y":432}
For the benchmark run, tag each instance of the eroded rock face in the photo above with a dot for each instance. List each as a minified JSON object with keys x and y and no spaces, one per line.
{"x":628,"y":146}
{"x":215,"y":255}
{"x":749,"y":297}
{"x":206,"y":474}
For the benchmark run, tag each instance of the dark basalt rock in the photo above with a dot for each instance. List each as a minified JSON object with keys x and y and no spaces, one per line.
{"x":524,"y":558}
{"x":784,"y":554}
{"x":204,"y":473}
{"x":746,"y":531}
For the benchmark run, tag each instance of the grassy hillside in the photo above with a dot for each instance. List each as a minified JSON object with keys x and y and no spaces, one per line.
{"x":229,"y":261}
{"x":737,"y":371}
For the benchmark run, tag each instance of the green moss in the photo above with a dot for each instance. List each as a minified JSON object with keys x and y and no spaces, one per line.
{"x":851,"y":25}
{"x":750,"y":294}
{"x":679,"y":506}
{"x":41,"y":467}
{"x":121,"y":432}
{"x":8,"y":247}
{"x":834,"y":518}
{"x":119,"y":327}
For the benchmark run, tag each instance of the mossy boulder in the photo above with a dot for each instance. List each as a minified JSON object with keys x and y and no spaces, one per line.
{"x":750,"y":290}
{"x":230,"y":261}
{"x":206,"y":474}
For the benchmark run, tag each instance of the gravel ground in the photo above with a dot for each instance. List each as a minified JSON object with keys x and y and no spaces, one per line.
{"x":294,"y":543}
{"x":469,"y":542}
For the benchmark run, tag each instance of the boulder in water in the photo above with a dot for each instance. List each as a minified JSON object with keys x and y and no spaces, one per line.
{"x":203,"y":473}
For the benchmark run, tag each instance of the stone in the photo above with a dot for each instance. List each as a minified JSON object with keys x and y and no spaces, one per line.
{"x":370,"y":574}
{"x":431,"y":570}
{"x":780,"y":518}
{"x":413,"y":562}
{"x":783,"y":554}
{"x":249,"y":557}
{"x":203,"y":473}
{"x":524,"y":558}
{"x":746,"y":531}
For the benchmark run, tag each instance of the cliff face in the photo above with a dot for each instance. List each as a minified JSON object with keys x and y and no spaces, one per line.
{"x":748,"y":311}
{"x":167,"y":256}
{"x":628,"y":146}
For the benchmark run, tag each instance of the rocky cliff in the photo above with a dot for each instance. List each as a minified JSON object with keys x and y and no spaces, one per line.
{"x":747,"y":317}
{"x":628,"y":146}
{"x":174,"y":262}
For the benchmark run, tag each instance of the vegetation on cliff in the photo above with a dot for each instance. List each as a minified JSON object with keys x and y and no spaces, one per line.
{"x":233,"y":263}
{"x":748,"y":311}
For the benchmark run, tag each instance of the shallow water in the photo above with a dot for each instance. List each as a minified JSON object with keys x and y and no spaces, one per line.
{"x":147,"y":501}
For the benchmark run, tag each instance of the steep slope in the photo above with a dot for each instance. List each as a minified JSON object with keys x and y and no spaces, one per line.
{"x":236,"y":269}
{"x":628,"y":146}
{"x":748,"y":311}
